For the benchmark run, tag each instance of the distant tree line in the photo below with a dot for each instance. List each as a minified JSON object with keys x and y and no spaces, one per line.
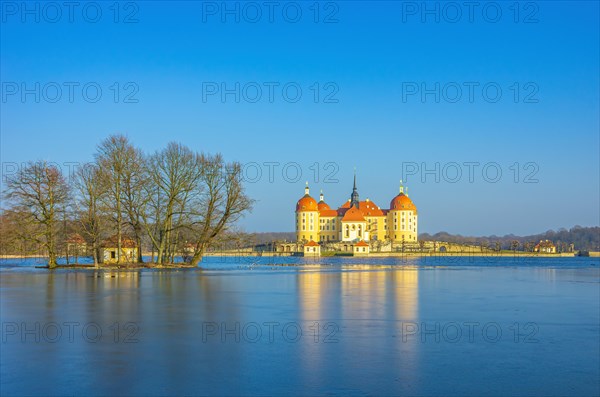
{"x":582,"y":238}
{"x":172,"y":201}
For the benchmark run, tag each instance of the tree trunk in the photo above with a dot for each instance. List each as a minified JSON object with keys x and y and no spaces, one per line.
{"x":52,"y":260}
{"x":197,"y":258}
{"x":198,"y":254}
{"x":138,"y":241}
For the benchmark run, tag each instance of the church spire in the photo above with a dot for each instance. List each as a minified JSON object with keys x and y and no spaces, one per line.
{"x":354,"y":198}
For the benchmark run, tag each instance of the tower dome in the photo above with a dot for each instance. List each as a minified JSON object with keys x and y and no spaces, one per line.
{"x":323,"y":206}
{"x":307,"y":203}
{"x":402,"y":202}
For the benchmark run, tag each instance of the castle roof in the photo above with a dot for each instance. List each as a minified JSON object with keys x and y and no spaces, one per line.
{"x":323,"y":206}
{"x":307,"y":203}
{"x":353,"y":215}
{"x":328,"y":213}
{"x":402,"y":203}
{"x":367,"y":208}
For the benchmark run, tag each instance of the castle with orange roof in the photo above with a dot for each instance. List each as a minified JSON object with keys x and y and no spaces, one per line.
{"x":356,"y":220}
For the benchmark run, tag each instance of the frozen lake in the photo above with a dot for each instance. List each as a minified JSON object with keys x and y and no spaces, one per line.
{"x":337,"y":326}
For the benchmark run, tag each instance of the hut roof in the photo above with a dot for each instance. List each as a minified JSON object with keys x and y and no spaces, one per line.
{"x":112,"y":242}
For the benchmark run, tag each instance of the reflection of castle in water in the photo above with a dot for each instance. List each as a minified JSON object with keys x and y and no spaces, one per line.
{"x":362,"y":308}
{"x":360,"y":292}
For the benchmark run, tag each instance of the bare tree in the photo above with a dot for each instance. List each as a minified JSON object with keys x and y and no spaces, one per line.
{"x":89,"y":183}
{"x":174,"y":176}
{"x":223,"y":202}
{"x":134,"y":198}
{"x":40,"y":192}
{"x":113,"y":157}
{"x":514,"y":245}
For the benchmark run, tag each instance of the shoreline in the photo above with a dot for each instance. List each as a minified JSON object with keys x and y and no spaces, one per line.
{"x":344,"y":255}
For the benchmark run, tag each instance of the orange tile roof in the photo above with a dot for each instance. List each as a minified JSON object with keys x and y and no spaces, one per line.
{"x":369,"y":208}
{"x":361,"y":243}
{"x":328,"y":213}
{"x":323,"y":206}
{"x":307,"y":203}
{"x":353,"y":215}
{"x":112,"y":242}
{"x":402,"y":203}
{"x":312,"y":244}
{"x":346,"y":204}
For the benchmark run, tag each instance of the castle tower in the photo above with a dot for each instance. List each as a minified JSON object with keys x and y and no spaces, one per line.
{"x":402,"y":219}
{"x":307,"y":218}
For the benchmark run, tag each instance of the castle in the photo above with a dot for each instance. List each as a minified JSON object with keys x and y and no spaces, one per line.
{"x":356,"y":220}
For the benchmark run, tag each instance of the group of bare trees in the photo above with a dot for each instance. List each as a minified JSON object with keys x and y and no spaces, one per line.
{"x":176,"y":199}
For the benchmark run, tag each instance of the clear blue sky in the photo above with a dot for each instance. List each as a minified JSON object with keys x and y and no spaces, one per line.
{"x":372,"y":54}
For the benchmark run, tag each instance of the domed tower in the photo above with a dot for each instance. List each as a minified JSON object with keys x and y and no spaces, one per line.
{"x":307,"y":218}
{"x":402,"y":218}
{"x":328,"y":221}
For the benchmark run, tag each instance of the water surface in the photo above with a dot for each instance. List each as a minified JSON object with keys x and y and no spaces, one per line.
{"x":335,"y":326}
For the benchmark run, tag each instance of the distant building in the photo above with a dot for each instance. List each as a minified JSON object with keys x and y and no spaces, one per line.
{"x":545,"y":247}
{"x":76,"y":245}
{"x":312,"y":249}
{"x":356,"y":220}
{"x":361,"y":249}
{"x":129,"y":250}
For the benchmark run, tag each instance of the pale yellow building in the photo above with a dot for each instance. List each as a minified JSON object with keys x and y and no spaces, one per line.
{"x":361,"y":249}
{"x":356,"y":220}
{"x":545,"y":247}
{"x":129,"y":250}
{"x":312,"y":249}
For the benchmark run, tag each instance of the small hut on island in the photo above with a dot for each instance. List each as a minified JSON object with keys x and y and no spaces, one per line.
{"x":129,"y":250}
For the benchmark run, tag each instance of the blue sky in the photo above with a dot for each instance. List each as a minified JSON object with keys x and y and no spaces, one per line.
{"x":363,"y":63}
